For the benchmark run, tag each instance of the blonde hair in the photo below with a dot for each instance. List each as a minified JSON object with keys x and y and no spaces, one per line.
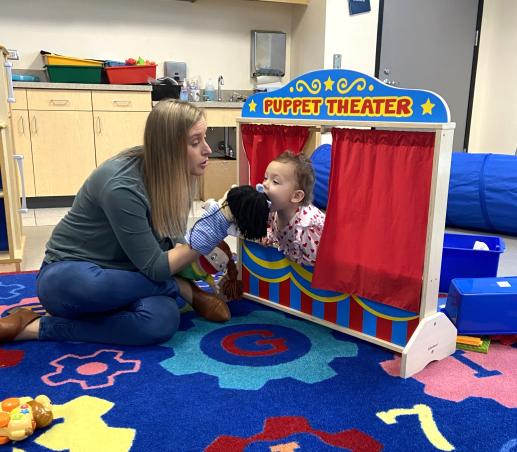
{"x":303,"y":172}
{"x":167,"y":178}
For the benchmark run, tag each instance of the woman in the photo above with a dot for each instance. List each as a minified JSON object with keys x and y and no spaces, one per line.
{"x":108,"y":266}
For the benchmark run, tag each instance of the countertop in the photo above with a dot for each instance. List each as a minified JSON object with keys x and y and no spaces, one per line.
{"x":213,"y":104}
{"x":89,"y":86}
{"x":108,"y":87}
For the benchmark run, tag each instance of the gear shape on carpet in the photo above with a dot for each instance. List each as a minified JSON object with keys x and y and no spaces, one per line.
{"x":312,"y":367}
{"x":279,"y":431}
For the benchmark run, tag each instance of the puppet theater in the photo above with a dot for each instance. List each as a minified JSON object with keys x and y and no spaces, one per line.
{"x":378,"y":266}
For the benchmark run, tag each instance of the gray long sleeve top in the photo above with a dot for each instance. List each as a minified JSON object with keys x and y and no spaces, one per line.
{"x":109,"y":224}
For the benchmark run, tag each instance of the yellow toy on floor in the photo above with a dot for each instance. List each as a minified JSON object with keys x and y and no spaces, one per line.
{"x":20,"y":416}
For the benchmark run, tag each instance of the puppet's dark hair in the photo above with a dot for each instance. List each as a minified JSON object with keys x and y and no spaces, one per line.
{"x":250,"y":210}
{"x":229,"y":285}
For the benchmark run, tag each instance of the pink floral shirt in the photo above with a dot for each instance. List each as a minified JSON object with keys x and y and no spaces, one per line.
{"x":299,"y":240}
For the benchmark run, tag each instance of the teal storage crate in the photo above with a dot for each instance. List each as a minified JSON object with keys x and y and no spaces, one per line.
{"x":461,"y":260}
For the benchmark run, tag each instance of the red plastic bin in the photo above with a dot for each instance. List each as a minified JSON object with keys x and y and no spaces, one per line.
{"x":130,"y":75}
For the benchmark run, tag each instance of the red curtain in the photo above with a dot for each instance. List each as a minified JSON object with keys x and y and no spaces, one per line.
{"x":373,"y":243}
{"x":263,"y":143}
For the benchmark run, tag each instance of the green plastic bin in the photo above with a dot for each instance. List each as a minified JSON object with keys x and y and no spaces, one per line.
{"x":74,"y":74}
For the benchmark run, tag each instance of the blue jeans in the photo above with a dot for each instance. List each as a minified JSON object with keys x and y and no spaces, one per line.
{"x":88,"y":303}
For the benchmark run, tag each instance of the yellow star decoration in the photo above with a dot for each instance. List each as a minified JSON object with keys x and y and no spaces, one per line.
{"x":329,"y":83}
{"x":252,"y":105}
{"x":427,"y":108}
{"x":84,"y":428}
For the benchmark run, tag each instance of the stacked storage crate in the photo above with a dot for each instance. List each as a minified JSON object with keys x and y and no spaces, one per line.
{"x":64,"y":69}
{"x":137,"y":74}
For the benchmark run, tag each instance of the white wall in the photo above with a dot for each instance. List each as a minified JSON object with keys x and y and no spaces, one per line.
{"x":325,"y":27}
{"x":354,"y":37}
{"x":494,"y":116}
{"x":211,"y":36}
{"x":308,"y":38}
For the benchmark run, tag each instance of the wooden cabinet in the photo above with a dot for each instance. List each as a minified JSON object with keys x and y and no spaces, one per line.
{"x":22,"y":140}
{"x":61,"y":132}
{"x":64,"y":134}
{"x":117,"y":131}
{"x":220,"y":173}
{"x":222,"y":117}
{"x":119,"y":121}
{"x":219,"y":176}
{"x":121,"y":101}
{"x":22,"y":146}
{"x":11,"y":238}
{"x":62,"y":150}
{"x":59,"y":100}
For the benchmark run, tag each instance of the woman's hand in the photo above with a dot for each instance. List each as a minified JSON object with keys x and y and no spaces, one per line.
{"x":180,"y":256}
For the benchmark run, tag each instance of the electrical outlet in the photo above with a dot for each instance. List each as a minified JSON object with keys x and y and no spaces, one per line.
{"x":336,"y":61}
{"x":13,"y":54}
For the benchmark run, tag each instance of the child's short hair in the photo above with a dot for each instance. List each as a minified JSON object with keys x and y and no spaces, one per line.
{"x":303,"y":172}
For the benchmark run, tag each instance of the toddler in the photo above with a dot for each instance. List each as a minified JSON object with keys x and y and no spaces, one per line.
{"x":295,"y":225}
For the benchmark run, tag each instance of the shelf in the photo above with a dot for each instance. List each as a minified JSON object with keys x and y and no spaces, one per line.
{"x":5,"y":258}
{"x":15,"y":256}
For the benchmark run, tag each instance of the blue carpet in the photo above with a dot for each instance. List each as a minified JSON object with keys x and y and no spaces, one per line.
{"x":264,"y":381}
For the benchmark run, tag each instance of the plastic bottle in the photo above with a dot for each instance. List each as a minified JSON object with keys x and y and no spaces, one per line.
{"x":210,"y":90}
{"x":194,"y":90}
{"x":184,"y":91}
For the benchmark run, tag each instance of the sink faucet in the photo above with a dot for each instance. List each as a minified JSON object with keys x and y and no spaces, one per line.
{"x":220,"y":82}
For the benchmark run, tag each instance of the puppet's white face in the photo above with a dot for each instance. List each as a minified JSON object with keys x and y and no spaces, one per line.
{"x":218,"y":259}
{"x":281,"y":186}
{"x":197,"y":149}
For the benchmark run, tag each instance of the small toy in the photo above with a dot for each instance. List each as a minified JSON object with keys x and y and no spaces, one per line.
{"x":469,"y":340}
{"x":473,"y":344}
{"x":20,"y":416}
{"x":139,"y":62}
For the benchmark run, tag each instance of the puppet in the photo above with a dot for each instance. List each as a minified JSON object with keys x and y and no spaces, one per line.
{"x":246,"y":211}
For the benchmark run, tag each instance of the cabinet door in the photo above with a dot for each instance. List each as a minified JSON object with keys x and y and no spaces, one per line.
{"x":116,"y":131}
{"x":121,"y":101}
{"x":22,"y":146}
{"x":59,"y":99}
{"x":222,"y":117}
{"x":219,"y":176}
{"x":20,"y":96}
{"x":62,"y":150}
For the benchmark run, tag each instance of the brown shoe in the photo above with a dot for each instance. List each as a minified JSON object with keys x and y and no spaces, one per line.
{"x":209,"y":305}
{"x":15,"y":323}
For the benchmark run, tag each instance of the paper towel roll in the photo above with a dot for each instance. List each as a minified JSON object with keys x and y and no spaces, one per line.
{"x":263,"y":79}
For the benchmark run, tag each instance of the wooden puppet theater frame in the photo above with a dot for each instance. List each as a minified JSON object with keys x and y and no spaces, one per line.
{"x":338,"y":98}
